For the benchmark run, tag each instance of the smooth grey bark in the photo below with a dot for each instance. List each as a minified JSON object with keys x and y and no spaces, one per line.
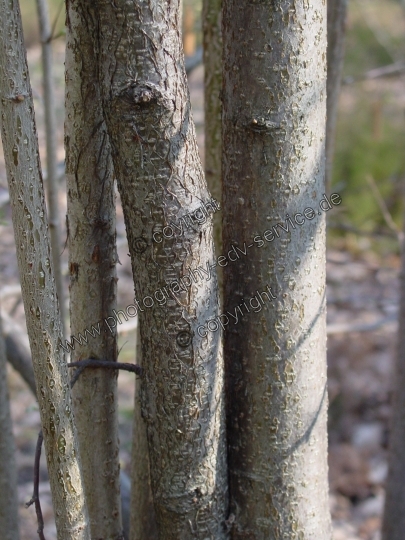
{"x":212,"y":41}
{"x":93,"y":278}
{"x":143,"y":517}
{"x":8,"y":473}
{"x":51,"y":142}
{"x":273,"y":144}
{"x":35,"y":266}
{"x":335,"y":54}
{"x":147,"y":111}
{"x":393,"y":524}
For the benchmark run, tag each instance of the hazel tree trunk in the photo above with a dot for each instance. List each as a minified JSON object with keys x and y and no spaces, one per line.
{"x":51,"y":149}
{"x":8,"y":472}
{"x":18,"y":351}
{"x":336,"y":39}
{"x":273,"y":144}
{"x":143,"y":517}
{"x":147,"y":111}
{"x":212,"y":55}
{"x":35,"y":266}
{"x":393,"y":524}
{"x":93,"y":279}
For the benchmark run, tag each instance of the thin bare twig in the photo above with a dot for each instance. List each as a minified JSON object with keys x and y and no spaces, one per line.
{"x":35,"y":496}
{"x":351,"y":327}
{"x":52,"y":35}
{"x":383,"y":207}
{"x":373,"y":234}
{"x":391,"y":70}
{"x":106,"y":364}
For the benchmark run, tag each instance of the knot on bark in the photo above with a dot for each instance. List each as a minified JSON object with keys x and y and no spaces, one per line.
{"x":143,"y":94}
{"x":261,"y":125}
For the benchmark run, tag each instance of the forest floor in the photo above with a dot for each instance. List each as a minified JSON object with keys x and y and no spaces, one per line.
{"x":362,"y":289}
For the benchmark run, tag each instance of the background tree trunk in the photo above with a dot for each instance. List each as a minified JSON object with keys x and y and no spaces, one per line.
{"x":18,"y":351}
{"x":143,"y":517}
{"x":393,"y":526}
{"x":212,"y":110}
{"x":35,"y":266}
{"x":51,"y":143}
{"x":160,"y":179}
{"x":8,"y":472}
{"x":273,"y":144}
{"x":336,"y":39}
{"x":93,"y":279}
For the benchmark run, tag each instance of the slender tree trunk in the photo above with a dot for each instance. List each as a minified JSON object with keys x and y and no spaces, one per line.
{"x":35,"y":266}
{"x":51,"y":144}
{"x":212,"y":109}
{"x":393,"y":526}
{"x":275,"y":354}
{"x":18,"y":351}
{"x":147,"y":110}
{"x":93,"y":279}
{"x":19,"y":357}
{"x":143,"y":517}
{"x":336,"y":39}
{"x":8,"y":472}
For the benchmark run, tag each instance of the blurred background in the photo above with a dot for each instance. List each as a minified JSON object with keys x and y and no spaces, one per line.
{"x":362,"y":260}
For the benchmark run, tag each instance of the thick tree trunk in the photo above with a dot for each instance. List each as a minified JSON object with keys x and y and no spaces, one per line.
{"x":160,"y":178}
{"x":93,"y":279}
{"x":394,"y":513}
{"x":143,"y":517}
{"x":273,"y":144}
{"x":212,"y":109}
{"x":35,"y":266}
{"x":336,"y":39}
{"x":8,"y":472}
{"x":51,"y":147}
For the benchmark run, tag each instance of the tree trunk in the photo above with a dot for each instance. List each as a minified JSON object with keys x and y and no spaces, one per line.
{"x":35,"y":266}
{"x":143,"y":517}
{"x":212,"y":109}
{"x":336,"y":39}
{"x":18,"y":351}
{"x":51,"y":147}
{"x":19,"y":357}
{"x":275,"y":352}
{"x":93,"y":279}
{"x":393,"y":526}
{"x":8,"y":472}
{"x":160,"y":179}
